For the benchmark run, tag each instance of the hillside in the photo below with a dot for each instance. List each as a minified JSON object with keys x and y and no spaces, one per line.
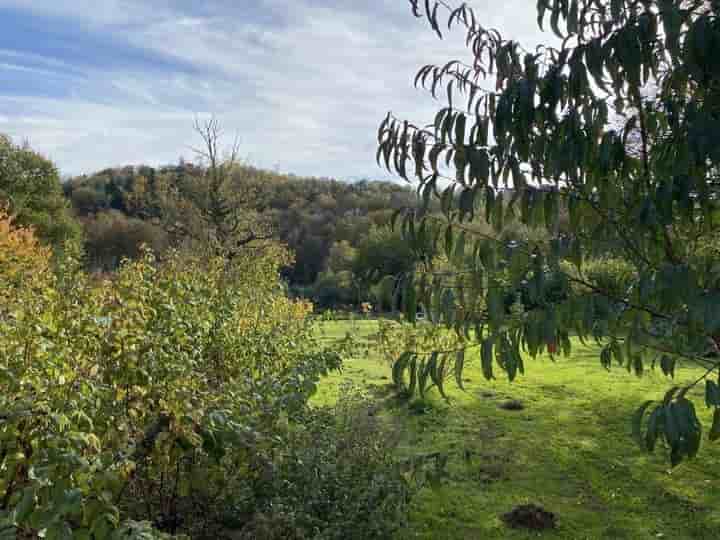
{"x":120,"y":208}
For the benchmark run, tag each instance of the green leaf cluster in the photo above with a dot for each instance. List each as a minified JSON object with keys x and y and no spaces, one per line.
{"x":608,"y":144}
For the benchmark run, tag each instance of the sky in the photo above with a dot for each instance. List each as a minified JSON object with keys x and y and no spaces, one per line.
{"x":303,"y":84}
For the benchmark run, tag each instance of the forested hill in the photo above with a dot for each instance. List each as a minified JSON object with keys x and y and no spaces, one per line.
{"x":121,"y":208}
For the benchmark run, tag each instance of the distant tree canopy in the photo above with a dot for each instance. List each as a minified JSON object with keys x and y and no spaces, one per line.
{"x":383,"y":253}
{"x":123,"y":207}
{"x":30,"y":187}
{"x":618,"y":129}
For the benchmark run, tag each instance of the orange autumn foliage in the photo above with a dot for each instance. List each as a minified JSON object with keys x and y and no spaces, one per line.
{"x":23,"y":260}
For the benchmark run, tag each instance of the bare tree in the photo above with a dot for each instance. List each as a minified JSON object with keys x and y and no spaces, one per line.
{"x":212,"y":207}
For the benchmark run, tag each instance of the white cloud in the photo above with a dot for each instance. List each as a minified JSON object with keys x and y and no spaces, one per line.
{"x":304,"y":84}
{"x":94,"y":12}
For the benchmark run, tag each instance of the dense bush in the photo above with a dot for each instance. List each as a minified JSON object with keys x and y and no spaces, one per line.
{"x":337,"y":479}
{"x":333,"y":289}
{"x":165,"y":399}
{"x":614,"y":277}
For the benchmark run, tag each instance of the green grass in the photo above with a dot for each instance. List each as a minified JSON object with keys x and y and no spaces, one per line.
{"x":569,"y":450}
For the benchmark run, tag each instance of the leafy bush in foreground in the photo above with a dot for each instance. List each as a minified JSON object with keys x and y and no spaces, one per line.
{"x":337,"y":479}
{"x":165,"y":400}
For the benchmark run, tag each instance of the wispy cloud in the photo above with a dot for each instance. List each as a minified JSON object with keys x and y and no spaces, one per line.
{"x":304,"y":82}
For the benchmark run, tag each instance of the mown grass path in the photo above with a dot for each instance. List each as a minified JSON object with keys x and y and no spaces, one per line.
{"x":569,"y":449}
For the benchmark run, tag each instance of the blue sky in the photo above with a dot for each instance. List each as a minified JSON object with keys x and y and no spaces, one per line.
{"x":303,"y":83}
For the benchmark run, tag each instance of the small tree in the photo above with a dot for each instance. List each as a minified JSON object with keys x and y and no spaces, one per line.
{"x":30,"y":185}
{"x":545,"y":129}
{"x":213,"y":208}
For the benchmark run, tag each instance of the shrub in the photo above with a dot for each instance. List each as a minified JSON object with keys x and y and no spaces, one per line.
{"x":611,"y":275}
{"x":336,"y":480}
{"x":172,"y":400}
{"x":334,"y":289}
{"x":141,"y":403}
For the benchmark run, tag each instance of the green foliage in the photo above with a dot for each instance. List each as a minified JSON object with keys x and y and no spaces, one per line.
{"x":341,"y":257}
{"x":422,"y":356}
{"x":615,"y":277}
{"x":31,"y":185}
{"x":316,"y":218}
{"x":362,"y":492}
{"x":614,"y":131}
{"x":384,"y":255}
{"x":333,"y":289}
{"x":161,"y":397}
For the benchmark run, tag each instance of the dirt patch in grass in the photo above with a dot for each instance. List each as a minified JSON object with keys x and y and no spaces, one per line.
{"x":530,"y":516}
{"x":512,"y":405}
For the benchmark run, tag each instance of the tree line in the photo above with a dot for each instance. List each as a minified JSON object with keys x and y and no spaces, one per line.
{"x":337,"y":231}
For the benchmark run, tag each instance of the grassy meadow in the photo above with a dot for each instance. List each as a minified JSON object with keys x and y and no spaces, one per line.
{"x":569,"y":450}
